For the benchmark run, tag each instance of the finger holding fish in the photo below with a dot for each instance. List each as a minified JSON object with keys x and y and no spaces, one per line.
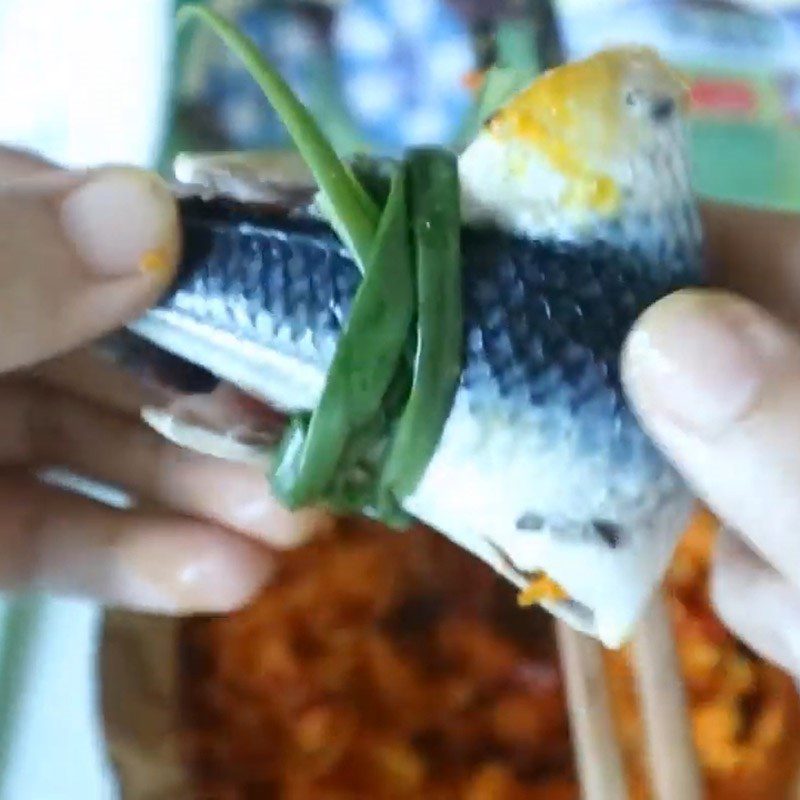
{"x":83,"y":252}
{"x":716,"y":380}
{"x":98,"y":247}
{"x":41,"y":429}
{"x":100,"y":410}
{"x":59,"y":542}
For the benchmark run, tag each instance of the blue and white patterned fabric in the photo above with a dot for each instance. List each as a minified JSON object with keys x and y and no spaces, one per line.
{"x":403,"y":64}
{"x":241,"y":112}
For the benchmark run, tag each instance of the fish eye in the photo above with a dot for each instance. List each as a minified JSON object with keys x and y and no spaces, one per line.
{"x":662,"y":109}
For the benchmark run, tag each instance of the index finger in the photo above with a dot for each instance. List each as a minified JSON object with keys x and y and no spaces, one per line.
{"x":756,"y":253}
{"x":80,"y":254}
{"x":16,"y":164}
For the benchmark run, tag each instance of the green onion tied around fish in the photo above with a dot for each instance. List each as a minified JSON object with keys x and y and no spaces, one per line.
{"x":440,"y":333}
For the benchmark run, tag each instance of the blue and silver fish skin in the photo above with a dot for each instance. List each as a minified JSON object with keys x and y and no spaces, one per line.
{"x":541,"y":466}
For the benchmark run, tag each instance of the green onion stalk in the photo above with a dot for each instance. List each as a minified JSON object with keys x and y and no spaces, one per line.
{"x":396,"y":366}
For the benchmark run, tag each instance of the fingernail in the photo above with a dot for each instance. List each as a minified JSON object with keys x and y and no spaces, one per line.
{"x":122,"y":221}
{"x":693,"y":360}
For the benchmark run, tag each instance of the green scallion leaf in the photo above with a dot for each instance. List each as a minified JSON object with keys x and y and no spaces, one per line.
{"x":391,"y":383}
{"x":356,"y":213}
{"x":366,"y":360}
{"x":434,"y":200}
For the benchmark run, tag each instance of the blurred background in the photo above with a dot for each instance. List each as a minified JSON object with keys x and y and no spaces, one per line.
{"x":385,"y":74}
{"x":92,"y":81}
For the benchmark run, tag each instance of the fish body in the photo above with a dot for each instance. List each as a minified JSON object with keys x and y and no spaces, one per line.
{"x":577,"y":216}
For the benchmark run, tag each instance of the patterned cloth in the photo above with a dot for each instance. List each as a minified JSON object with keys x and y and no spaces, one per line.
{"x":220,"y":84}
{"x":403,"y":65}
{"x":399,"y":70}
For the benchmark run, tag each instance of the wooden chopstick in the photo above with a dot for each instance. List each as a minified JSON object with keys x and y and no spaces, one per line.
{"x":674,"y":768}
{"x":597,"y":750}
{"x":672,"y":760}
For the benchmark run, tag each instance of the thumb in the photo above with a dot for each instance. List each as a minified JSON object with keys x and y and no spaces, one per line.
{"x":716,"y":381}
{"x":81,"y":253}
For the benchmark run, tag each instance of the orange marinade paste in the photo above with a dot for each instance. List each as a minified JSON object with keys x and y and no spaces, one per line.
{"x":384,"y":666}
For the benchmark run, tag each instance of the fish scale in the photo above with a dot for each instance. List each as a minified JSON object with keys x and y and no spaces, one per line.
{"x":543,"y":319}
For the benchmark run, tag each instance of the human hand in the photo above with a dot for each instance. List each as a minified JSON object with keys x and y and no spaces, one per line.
{"x":82,"y":253}
{"x":715,"y":379}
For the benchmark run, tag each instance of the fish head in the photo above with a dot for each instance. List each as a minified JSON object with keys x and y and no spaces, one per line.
{"x":584,"y":146}
{"x":589,"y":162}
{"x":615,"y":105}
